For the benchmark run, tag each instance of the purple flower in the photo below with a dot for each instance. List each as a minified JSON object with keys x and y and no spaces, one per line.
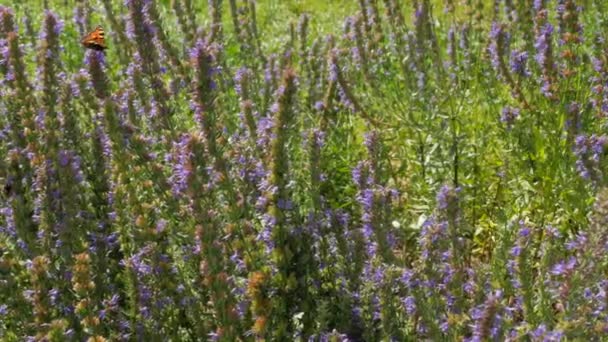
{"x":447,"y":197}
{"x":242,"y":77}
{"x":542,"y":334}
{"x":518,"y":63}
{"x":564,"y":267}
{"x":409,"y":303}
{"x":334,"y":69}
{"x":9,"y":219}
{"x":524,"y":232}
{"x":509,"y":115}
{"x":578,"y":243}
{"x":53,"y":24}
{"x":542,"y":44}
{"x":53,"y":296}
{"x":499,"y":41}
{"x":539,"y":4}
{"x":552,"y":232}
{"x":487,"y":318}
{"x":589,"y":151}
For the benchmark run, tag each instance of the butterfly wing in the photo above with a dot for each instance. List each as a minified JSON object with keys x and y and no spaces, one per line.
{"x":95,"y":40}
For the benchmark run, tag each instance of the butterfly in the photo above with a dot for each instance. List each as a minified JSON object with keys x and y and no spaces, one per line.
{"x":94,"y":40}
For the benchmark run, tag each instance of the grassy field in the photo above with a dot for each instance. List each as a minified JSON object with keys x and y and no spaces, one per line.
{"x":239,"y":170}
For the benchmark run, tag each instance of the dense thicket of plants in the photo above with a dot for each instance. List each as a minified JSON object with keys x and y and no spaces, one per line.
{"x":425,"y":171}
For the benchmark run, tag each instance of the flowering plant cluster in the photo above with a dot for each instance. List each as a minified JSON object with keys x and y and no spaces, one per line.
{"x":424,"y":171}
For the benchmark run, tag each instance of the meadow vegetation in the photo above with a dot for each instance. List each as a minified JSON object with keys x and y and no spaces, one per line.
{"x":240,"y":170}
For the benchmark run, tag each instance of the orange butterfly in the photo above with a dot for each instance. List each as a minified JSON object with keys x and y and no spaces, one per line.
{"x":94,"y":40}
